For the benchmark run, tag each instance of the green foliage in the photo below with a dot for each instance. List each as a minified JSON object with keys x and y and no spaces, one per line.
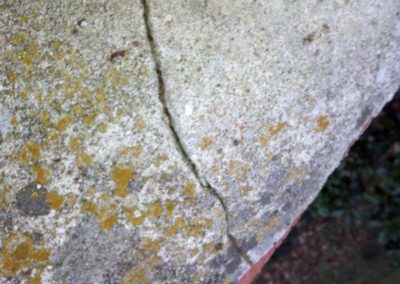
{"x":366,"y":186}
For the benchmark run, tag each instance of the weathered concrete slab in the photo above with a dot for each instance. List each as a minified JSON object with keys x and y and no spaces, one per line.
{"x":93,"y":187}
{"x":176,"y":141}
{"x":266,"y":96}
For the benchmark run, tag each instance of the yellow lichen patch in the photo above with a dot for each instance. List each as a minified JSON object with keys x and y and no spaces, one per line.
{"x":273,"y":222}
{"x":245,"y":190}
{"x":83,"y":160}
{"x":101,"y":96}
{"x":322,"y":123}
{"x":121,"y":176}
{"x":19,"y":252}
{"x":154,"y":210}
{"x":120,"y":112}
{"x":89,"y":207}
{"x":44,"y":117}
{"x":77,"y":109}
{"x":181,"y":225}
{"x":24,"y":94}
{"x":42,"y":174}
{"x":151,"y":245}
{"x":238,"y":169}
{"x":170,"y":207}
{"x":14,"y":121}
{"x":108,"y":222}
{"x":34,"y":149}
{"x":89,"y":119}
{"x":18,"y":38}
{"x":64,"y":122}
{"x":11,"y":76}
{"x":295,"y":175}
{"x":171,"y":231}
{"x":275,"y":129}
{"x":160,"y":159}
{"x":136,"y":220}
{"x":75,"y":144}
{"x":263,"y":140}
{"x":30,"y":152}
{"x":4,"y":197}
{"x":70,"y":199}
{"x":102,"y":127}
{"x":37,"y":279}
{"x":24,"y":57}
{"x":137,"y":275}
{"x":136,"y":151}
{"x":139,"y":124}
{"x":52,"y":136}
{"x":189,"y":189}
{"x":54,"y":200}
{"x":205,"y":143}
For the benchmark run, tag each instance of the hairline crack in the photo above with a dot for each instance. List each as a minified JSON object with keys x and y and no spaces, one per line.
{"x":170,"y":121}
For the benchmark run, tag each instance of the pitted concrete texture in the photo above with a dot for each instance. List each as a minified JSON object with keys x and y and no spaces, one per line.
{"x":176,"y":141}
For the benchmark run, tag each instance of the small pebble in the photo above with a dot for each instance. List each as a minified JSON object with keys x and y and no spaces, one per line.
{"x":82,"y":23}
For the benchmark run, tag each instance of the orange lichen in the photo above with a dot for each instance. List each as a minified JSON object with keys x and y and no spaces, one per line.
{"x":89,"y":207}
{"x":136,"y":220}
{"x":170,"y":206}
{"x":206,"y":142}
{"x":136,"y":151}
{"x":171,"y":231}
{"x":160,"y":159}
{"x":322,"y":123}
{"x":11,"y":76}
{"x":37,"y":279}
{"x":54,"y":200}
{"x":30,"y":152}
{"x":139,"y":124}
{"x":275,"y":129}
{"x":42,"y":174}
{"x":102,"y":127}
{"x":89,"y":119}
{"x":109,"y":222}
{"x":44,"y":117}
{"x":121,"y":176}
{"x":181,"y":225}
{"x":189,"y":189}
{"x":19,"y":252}
{"x":100,"y":96}
{"x":154,"y":210}
{"x":64,"y":122}
{"x":151,"y":245}
{"x":77,"y":109}
{"x":4,"y":197}
{"x":75,"y":144}
{"x":136,"y":275}
{"x":18,"y":38}
{"x":24,"y":94}
{"x":14,"y":121}
{"x":263,"y":140}
{"x":34,"y":149}
{"x":238,"y":169}
{"x":83,"y":160}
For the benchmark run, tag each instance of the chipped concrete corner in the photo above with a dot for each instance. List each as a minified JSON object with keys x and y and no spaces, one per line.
{"x":176,"y":141}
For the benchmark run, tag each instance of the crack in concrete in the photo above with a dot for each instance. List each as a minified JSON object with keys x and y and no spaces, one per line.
{"x":162,"y":97}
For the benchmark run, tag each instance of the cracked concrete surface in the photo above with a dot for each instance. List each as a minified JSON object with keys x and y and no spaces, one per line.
{"x":161,"y":90}
{"x":176,"y":141}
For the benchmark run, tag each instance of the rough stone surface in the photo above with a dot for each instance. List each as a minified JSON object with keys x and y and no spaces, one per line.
{"x":176,"y":141}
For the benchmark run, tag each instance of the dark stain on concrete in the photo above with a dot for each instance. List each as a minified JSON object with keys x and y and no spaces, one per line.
{"x":31,"y":201}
